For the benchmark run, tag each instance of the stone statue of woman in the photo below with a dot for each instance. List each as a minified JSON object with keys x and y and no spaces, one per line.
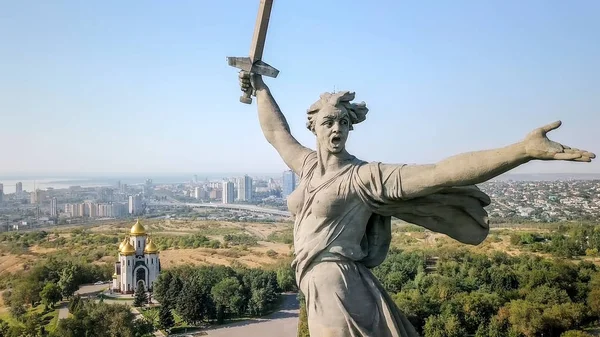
{"x":343,"y":208}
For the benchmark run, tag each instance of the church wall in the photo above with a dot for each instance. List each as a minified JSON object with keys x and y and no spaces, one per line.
{"x":139,"y":243}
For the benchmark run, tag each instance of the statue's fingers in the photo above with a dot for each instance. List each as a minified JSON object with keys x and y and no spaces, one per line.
{"x":583,"y":159}
{"x":567,"y":156}
{"x":587,"y":154}
{"x":551,"y":126}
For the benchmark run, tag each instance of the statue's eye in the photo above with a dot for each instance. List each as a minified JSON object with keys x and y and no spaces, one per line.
{"x":344,"y":122}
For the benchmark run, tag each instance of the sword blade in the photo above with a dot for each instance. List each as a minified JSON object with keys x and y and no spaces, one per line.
{"x":260,"y":30}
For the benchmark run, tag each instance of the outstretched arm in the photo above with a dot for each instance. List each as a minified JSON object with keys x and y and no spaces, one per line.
{"x":464,"y":169}
{"x":472,"y":168}
{"x":274,"y":125}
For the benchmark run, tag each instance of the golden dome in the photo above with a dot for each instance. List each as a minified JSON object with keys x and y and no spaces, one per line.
{"x":122,"y":243}
{"x":138,"y":229}
{"x":151,"y":248}
{"x":115,"y":276}
{"x":127,"y":249}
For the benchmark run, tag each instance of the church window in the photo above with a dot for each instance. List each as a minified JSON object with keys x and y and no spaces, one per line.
{"x":139,"y":243}
{"x":127,"y":262}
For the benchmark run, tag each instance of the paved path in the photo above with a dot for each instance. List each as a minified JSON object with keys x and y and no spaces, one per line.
{"x":63,"y":311}
{"x":283,"y":323}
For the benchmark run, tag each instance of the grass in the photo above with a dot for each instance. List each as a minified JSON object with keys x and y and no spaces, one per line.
{"x":50,"y":317}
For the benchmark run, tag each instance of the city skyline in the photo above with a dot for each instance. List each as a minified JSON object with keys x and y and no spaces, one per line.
{"x":102,"y":88}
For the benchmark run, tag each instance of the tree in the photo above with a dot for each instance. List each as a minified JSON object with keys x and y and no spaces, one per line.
{"x":50,"y":295}
{"x":67,"y":282}
{"x":286,"y":280}
{"x":103,"y":320}
{"x":34,"y":326}
{"x":593,"y":298}
{"x":165,"y":318}
{"x":4,"y":328}
{"x":443,"y":326}
{"x":227,"y":297}
{"x":575,"y":333}
{"x":140,"y":296}
{"x":161,"y":287}
{"x":17,"y":310}
{"x":191,"y":305}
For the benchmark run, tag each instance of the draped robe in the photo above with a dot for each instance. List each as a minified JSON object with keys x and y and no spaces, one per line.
{"x":343,"y":228}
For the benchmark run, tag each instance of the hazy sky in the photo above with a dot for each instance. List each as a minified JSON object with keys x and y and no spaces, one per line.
{"x":143,"y":86}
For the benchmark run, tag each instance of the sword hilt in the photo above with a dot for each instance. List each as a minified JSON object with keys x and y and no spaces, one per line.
{"x":258,"y":67}
{"x":246,"y":97}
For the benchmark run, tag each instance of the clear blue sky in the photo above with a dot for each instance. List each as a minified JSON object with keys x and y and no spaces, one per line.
{"x":143,"y":86}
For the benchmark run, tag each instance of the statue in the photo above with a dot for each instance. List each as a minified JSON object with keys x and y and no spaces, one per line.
{"x":343,"y":208}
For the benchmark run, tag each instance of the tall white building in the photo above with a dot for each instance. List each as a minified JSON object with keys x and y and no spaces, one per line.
{"x":198,"y":193}
{"x":91,"y":209}
{"x":289,"y":183}
{"x":244,"y":188}
{"x":135,"y":204}
{"x":228,"y":192}
{"x":19,"y":189}
{"x":53,"y":208}
{"x":138,"y":262}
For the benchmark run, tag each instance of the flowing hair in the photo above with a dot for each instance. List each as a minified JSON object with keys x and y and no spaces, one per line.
{"x":357,"y":112}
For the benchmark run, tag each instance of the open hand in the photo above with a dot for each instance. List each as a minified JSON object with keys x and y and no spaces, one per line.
{"x":538,"y":146}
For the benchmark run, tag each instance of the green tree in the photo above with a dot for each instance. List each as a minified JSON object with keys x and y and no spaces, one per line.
{"x":593,"y":298}
{"x":191,"y":304}
{"x":140,"y":297}
{"x":575,"y":333}
{"x":165,"y":318}
{"x":17,"y":310}
{"x":34,"y":326}
{"x":227,"y":297}
{"x":303,"y":317}
{"x":50,"y":295}
{"x":286,"y":280}
{"x":68,"y":282}
{"x":4,"y":328}
{"x":103,"y":320}
{"x":161,"y":287}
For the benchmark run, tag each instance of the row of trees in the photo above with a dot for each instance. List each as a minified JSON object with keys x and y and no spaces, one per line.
{"x":49,"y":282}
{"x":497,"y":295}
{"x":566,"y":241}
{"x":214,"y":293}
{"x":93,"y":319}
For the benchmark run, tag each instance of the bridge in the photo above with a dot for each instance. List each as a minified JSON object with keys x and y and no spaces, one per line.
{"x":249,"y":208}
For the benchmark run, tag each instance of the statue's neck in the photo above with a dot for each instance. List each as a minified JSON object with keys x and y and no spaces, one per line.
{"x":331,"y":162}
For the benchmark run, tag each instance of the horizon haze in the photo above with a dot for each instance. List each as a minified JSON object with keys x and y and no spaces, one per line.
{"x":108,"y":87}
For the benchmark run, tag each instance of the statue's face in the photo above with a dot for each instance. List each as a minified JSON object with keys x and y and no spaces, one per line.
{"x":332,"y":127}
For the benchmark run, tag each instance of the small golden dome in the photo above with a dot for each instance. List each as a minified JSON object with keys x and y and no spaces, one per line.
{"x":127,"y":249}
{"x":151,"y":248}
{"x":122,"y":244}
{"x":138,"y":229}
{"x":114,"y":276}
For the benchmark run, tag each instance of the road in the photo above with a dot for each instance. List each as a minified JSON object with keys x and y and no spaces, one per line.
{"x":250,"y":208}
{"x":283,"y":323}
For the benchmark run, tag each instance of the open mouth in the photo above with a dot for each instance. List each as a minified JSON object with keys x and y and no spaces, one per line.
{"x":336,"y":140}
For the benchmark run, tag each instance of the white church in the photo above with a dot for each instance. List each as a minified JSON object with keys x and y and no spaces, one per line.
{"x":138,"y":261}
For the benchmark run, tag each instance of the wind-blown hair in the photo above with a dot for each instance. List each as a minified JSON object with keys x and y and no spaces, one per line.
{"x":357,"y":112}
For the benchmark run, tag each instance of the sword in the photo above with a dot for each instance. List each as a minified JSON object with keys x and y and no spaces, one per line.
{"x":254,"y":63}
